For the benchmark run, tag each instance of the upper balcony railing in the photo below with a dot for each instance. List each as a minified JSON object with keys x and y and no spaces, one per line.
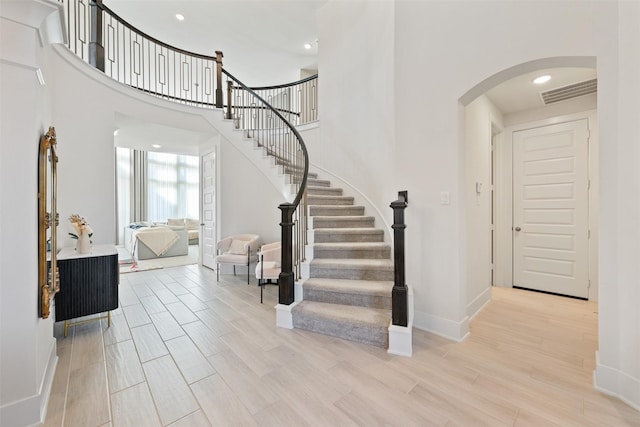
{"x":108,"y":42}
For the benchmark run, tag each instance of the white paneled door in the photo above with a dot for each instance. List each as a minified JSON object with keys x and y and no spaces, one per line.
{"x":209,"y":210}
{"x":550,"y":208}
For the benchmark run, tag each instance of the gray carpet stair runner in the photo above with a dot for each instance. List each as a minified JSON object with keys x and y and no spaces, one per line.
{"x":348,"y":292}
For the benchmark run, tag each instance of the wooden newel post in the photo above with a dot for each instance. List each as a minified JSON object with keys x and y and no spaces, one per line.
{"x":399,"y":294}
{"x":286,"y":279}
{"x":96,"y":45}
{"x":229,"y":99}
{"x":219,"y":92}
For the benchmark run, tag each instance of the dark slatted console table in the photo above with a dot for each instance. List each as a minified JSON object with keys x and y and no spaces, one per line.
{"x":88,"y":284}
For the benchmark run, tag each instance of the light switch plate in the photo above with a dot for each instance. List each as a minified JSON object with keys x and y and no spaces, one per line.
{"x":445,"y":198}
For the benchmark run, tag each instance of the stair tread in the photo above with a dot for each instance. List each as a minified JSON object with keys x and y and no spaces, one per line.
{"x":343,"y":217}
{"x":369,"y":287}
{"x":345,"y":245}
{"x":381,"y":264}
{"x":343,"y":207}
{"x":328,"y":197}
{"x":348,"y":230}
{"x":345,"y":313}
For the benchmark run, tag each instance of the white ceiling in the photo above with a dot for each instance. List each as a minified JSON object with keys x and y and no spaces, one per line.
{"x":140,"y":135}
{"x":263,"y":44}
{"x":521,"y":94}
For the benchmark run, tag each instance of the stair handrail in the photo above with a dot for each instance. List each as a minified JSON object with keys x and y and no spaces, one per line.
{"x":399,"y":294}
{"x":275,"y":140}
{"x":296,"y":100}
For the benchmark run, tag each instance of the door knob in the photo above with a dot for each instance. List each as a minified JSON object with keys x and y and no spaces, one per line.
{"x":518,"y":228}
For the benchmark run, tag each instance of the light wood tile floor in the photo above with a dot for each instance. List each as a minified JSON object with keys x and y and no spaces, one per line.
{"x":184,"y":350}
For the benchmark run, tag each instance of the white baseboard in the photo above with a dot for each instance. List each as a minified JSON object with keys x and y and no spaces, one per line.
{"x":615,"y":383}
{"x":284,"y":318}
{"x":456,"y":331}
{"x":32,"y":410}
{"x":480,"y":302}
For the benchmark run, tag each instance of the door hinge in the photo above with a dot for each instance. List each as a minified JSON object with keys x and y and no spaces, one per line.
{"x":588,"y":234}
{"x":589,"y":284}
{"x":588,"y":184}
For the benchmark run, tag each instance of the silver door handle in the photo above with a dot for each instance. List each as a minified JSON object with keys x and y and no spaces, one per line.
{"x":518,"y":228}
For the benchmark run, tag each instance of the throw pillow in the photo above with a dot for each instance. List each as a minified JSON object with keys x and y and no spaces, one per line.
{"x":238,"y":247}
{"x":175,"y":222}
{"x":192,"y":224}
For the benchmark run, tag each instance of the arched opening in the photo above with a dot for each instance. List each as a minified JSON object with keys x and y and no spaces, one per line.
{"x":499,"y":121}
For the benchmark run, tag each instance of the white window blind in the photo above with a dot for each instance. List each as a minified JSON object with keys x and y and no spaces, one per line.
{"x":172,"y":186}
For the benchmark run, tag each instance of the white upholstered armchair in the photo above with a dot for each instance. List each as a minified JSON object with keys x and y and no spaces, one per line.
{"x":239,"y":249}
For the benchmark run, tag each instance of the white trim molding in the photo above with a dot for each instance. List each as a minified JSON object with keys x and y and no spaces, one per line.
{"x":615,"y":383}
{"x":401,"y":337}
{"x":479,"y":303}
{"x":25,"y":412}
{"x":450,"y":329}
{"x":284,"y":317}
{"x":400,"y":340}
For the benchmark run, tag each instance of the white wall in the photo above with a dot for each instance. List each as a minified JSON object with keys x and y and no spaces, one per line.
{"x":433,"y":49}
{"x":27,"y":348}
{"x":249,"y":202}
{"x":618,"y":364}
{"x":440,"y":51}
{"x":479,"y":117}
{"x":356,"y":66}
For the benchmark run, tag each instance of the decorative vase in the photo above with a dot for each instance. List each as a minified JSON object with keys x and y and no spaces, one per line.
{"x":83,"y":246}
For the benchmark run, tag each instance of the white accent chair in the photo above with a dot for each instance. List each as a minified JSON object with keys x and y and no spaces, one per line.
{"x":239,"y":249}
{"x":268,"y":267}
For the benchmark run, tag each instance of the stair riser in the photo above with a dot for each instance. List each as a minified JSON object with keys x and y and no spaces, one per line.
{"x":328,"y":200}
{"x":353,"y":332}
{"x":338,"y":237}
{"x":350,"y":273}
{"x":343,"y":223}
{"x":373,"y":301}
{"x":358,"y":253}
{"x":336,"y":211}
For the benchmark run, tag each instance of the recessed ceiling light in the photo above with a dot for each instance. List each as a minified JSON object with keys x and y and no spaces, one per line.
{"x":179,"y":17}
{"x":156,"y":145}
{"x":542,"y":79}
{"x":307,"y":46}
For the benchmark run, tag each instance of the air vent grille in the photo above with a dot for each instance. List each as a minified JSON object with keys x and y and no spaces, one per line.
{"x":571,"y":91}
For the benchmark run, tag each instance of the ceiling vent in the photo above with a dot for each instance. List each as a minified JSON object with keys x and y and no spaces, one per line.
{"x":570,"y":92}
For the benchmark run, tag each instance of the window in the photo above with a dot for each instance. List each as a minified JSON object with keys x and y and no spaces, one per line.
{"x":172,"y":186}
{"x":155,"y":186}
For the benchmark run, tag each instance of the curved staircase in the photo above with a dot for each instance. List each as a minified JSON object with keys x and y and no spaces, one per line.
{"x":349,"y":275}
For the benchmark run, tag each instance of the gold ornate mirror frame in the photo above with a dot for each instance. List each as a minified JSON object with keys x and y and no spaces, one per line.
{"x":48,"y":277}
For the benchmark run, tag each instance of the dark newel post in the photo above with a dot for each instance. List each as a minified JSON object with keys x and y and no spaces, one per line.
{"x":219,"y":101}
{"x":286,"y":278}
{"x":229,"y":98}
{"x":399,"y":293}
{"x":96,"y":46}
